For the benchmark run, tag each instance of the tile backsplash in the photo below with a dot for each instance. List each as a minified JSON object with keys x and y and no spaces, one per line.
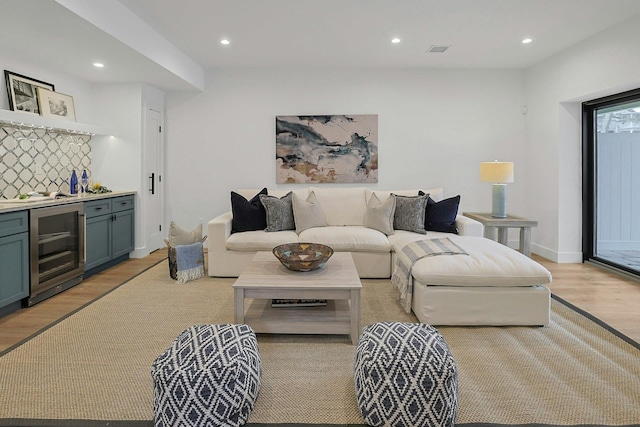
{"x":40,"y":160}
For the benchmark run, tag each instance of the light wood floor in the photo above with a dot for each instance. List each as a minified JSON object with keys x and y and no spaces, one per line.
{"x":612,"y":299}
{"x":607,"y":296}
{"x":23,"y":323}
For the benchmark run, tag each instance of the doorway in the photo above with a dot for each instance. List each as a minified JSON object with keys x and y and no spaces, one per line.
{"x":611,"y":181}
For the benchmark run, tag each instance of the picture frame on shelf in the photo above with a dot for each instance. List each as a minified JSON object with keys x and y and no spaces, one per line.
{"x":56,"y":104}
{"x":22,"y":91}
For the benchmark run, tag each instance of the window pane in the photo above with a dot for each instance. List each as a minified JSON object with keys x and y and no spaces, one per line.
{"x":617,"y":150}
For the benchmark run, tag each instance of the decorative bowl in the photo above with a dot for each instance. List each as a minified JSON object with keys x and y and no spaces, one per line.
{"x":303,"y":256}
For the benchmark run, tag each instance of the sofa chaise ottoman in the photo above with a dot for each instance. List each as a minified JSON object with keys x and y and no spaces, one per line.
{"x":492,"y":285}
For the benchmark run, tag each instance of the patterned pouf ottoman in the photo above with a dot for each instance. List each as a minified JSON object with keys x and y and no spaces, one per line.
{"x":209,"y":376}
{"x":405,"y":375}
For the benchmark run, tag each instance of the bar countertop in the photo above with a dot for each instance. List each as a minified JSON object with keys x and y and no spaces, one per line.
{"x":42,"y":202}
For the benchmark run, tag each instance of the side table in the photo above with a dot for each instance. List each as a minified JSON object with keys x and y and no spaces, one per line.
{"x":503,"y":225}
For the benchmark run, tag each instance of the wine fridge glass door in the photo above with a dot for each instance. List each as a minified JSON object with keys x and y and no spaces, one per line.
{"x":57,"y":246}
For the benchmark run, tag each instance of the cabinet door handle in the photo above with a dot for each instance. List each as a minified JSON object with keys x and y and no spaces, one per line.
{"x":84,"y":238}
{"x":153,"y":183}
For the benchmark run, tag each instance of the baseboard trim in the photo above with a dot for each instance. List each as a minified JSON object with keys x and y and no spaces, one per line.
{"x":555,"y":256}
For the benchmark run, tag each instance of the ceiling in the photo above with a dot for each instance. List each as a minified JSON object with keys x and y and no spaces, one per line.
{"x":305,"y":34}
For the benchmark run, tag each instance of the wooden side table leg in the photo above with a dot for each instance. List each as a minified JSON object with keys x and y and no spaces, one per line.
{"x":355,"y":316}
{"x":525,"y":241}
{"x":490,"y":232}
{"x":238,"y":306}
{"x":503,"y":235}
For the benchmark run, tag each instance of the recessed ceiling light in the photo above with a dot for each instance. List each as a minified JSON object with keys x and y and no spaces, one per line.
{"x":395,"y":40}
{"x":225,"y":41}
{"x":527,"y":41}
{"x":98,"y":64}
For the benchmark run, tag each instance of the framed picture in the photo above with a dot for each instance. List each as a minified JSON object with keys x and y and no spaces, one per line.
{"x":23,"y":94}
{"x":327,"y":149}
{"x":55,"y":104}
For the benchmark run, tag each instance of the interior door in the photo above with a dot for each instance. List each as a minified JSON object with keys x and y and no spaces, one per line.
{"x":153,"y":196}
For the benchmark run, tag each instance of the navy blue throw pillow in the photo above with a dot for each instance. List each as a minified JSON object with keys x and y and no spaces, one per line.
{"x":441,"y":216}
{"x":248,"y":215}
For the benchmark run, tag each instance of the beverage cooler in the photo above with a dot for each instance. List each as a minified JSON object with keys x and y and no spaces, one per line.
{"x":56,"y":250}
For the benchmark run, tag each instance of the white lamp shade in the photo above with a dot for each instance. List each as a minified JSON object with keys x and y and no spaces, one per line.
{"x":498,"y":172}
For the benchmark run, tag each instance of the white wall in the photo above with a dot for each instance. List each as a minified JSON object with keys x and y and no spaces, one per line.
{"x":435,"y":127}
{"x":117,"y":159}
{"x":605,"y":64}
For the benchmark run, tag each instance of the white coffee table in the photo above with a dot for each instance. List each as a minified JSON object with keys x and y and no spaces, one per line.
{"x":266,"y":279}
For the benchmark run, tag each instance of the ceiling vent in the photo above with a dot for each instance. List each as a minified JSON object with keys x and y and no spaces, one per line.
{"x":437,"y":49}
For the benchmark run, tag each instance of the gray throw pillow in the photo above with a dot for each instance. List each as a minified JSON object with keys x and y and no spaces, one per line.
{"x":410,"y":212}
{"x":380,"y":215}
{"x":308,"y":213}
{"x":279,"y":212}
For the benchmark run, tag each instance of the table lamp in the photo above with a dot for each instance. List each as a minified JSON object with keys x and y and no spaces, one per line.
{"x":499,"y":173}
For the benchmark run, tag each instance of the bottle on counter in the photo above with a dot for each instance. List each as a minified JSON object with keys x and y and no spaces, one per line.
{"x":84,"y":181}
{"x":73,"y":183}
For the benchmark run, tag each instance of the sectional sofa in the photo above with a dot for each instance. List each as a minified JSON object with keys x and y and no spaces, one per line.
{"x":492,"y":285}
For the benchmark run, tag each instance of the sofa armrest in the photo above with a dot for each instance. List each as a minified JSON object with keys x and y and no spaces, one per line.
{"x":219,"y":230}
{"x":469,"y":227}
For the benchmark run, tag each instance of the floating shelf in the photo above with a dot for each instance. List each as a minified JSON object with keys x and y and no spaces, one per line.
{"x":16,"y":118}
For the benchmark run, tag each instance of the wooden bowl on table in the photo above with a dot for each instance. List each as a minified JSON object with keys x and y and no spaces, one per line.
{"x":303,"y":256}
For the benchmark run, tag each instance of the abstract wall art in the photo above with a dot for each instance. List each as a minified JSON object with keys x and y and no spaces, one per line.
{"x":327,"y":149}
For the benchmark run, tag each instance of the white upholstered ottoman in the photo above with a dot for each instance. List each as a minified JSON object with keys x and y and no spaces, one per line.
{"x":493,"y":285}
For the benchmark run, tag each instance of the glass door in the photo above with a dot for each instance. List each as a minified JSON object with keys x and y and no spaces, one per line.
{"x":57,"y":248}
{"x":612,"y":181}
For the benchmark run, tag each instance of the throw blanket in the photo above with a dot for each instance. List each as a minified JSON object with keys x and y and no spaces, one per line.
{"x":189,"y":262}
{"x":407,"y":257}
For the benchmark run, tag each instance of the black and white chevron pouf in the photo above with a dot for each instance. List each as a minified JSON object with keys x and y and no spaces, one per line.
{"x":405,"y":375}
{"x":209,"y":376}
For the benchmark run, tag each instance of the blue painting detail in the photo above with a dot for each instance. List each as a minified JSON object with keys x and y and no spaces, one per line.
{"x":326,"y":149}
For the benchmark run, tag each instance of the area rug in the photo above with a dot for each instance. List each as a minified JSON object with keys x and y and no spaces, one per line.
{"x":93,"y":368}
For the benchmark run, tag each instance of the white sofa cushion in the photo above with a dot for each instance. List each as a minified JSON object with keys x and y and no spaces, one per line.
{"x":489,"y":263}
{"x":249,"y":241}
{"x":342,"y":206}
{"x":380,"y":215}
{"x":308,"y":212}
{"x":352,"y":239}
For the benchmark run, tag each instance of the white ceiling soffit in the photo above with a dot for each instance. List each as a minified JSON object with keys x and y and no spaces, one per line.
{"x":45,"y":33}
{"x":119,"y":22}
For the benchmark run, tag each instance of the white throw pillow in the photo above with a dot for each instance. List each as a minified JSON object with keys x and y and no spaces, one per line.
{"x":342,"y":206}
{"x":380,"y":215}
{"x":308,"y":213}
{"x":179,"y":236}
